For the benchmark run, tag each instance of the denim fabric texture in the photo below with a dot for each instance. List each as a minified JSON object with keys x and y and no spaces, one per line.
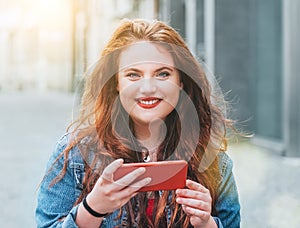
{"x":55,"y":205}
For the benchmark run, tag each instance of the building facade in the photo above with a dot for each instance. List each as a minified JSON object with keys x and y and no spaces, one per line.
{"x":251,"y":46}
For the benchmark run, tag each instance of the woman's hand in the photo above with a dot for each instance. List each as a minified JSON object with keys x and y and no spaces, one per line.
{"x":109,"y":195}
{"x":196,"y":202}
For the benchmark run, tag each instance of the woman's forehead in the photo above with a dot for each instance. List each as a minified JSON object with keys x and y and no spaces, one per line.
{"x":144,"y":52}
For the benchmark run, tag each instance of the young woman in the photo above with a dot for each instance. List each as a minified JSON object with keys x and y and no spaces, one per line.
{"x":147,"y":99}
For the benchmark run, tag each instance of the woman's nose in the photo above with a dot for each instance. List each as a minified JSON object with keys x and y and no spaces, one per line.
{"x":148,"y":85}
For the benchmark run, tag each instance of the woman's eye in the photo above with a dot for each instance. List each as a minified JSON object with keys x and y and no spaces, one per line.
{"x":133,"y":76}
{"x":163,"y":75}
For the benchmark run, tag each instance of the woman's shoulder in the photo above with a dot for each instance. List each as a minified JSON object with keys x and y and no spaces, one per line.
{"x":82,"y":149}
{"x":74,"y":154}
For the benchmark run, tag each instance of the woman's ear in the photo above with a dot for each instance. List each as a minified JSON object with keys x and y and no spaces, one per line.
{"x":181,"y":85}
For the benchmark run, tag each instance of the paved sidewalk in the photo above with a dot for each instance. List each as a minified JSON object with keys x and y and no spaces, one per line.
{"x":31,"y":123}
{"x":269,"y":187}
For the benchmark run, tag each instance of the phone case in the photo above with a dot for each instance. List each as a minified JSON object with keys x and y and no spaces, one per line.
{"x":165,"y":175}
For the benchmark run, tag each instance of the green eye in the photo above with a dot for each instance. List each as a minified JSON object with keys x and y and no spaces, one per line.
{"x":163,"y":75}
{"x":133,"y":76}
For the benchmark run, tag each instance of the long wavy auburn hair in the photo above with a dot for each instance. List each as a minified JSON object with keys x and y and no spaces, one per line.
{"x":103,"y":131}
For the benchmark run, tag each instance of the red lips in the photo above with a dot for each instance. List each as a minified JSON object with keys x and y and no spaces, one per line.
{"x":149,"y":102}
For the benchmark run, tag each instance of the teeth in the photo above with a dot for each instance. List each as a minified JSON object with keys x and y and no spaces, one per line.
{"x":149,"y":102}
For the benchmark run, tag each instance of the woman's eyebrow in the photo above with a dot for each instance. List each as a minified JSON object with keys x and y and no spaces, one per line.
{"x":164,"y":68}
{"x":131,"y":69}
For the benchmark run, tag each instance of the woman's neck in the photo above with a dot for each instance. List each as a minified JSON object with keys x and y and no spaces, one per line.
{"x":150,"y":135}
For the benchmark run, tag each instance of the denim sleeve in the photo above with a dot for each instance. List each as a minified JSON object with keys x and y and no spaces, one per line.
{"x":55,"y":204}
{"x":227,"y":205}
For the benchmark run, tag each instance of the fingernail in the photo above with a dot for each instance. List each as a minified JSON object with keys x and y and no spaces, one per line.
{"x":148,"y":180}
{"x":142,"y":169}
{"x":120,"y":160}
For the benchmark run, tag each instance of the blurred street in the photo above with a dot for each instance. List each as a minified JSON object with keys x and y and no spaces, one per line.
{"x":30,"y":125}
{"x":269,"y":184}
{"x":269,"y":187}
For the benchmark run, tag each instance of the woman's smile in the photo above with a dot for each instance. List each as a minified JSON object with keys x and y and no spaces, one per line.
{"x":148,"y":102}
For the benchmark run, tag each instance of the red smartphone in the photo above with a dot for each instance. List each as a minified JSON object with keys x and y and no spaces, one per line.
{"x":165,"y":175}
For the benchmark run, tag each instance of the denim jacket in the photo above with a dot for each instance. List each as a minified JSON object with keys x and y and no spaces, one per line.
{"x":55,"y":205}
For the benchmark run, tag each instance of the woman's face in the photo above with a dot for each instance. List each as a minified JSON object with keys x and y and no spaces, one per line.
{"x":148,"y":82}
